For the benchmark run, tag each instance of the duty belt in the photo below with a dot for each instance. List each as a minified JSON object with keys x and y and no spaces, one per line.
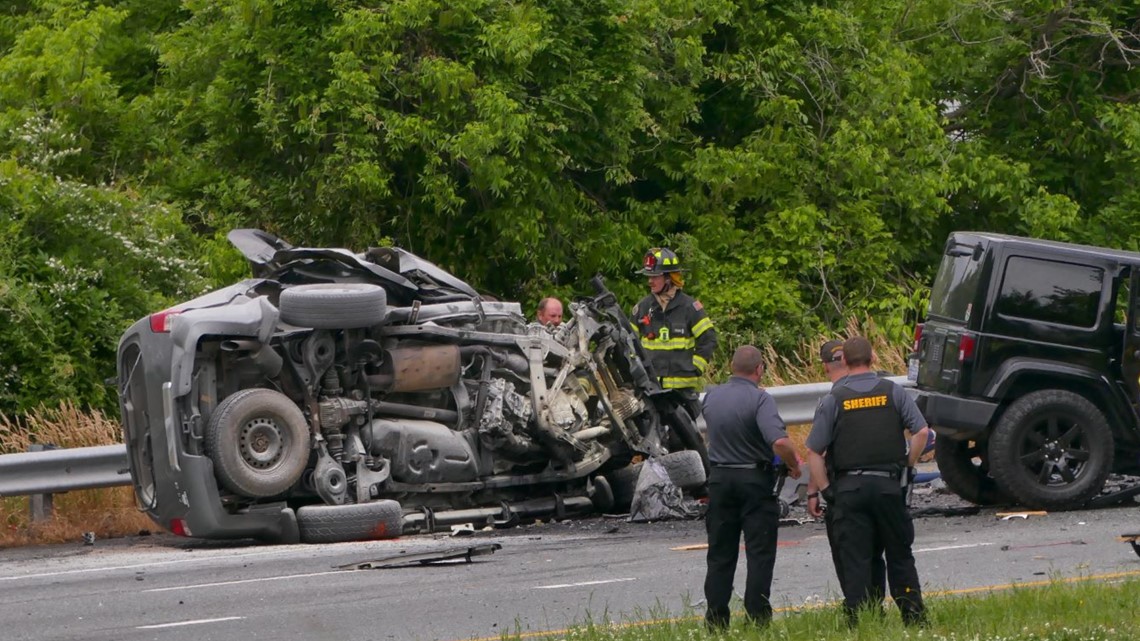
{"x":742,"y":466}
{"x":882,"y":473}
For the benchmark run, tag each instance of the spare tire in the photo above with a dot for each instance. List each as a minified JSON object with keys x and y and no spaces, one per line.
{"x":372,"y":521}
{"x":1052,"y":450}
{"x":966,"y":477}
{"x":334,"y":305}
{"x":258,"y":440}
{"x":685,"y":468}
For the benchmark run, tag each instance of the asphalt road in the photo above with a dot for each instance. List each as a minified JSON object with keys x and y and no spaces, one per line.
{"x":545,"y":577}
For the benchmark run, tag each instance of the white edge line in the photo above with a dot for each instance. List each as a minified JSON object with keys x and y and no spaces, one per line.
{"x":952,"y":547}
{"x":215,"y":557}
{"x":240,"y":581}
{"x":576,"y":585}
{"x":180,"y":623}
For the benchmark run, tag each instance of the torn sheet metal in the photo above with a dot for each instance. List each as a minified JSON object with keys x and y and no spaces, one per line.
{"x":1134,"y":540}
{"x":425,"y":558}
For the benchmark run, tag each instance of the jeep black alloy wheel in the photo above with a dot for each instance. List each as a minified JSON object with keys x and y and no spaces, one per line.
{"x":964,"y":466}
{"x":1052,"y":449}
{"x":258,"y":441}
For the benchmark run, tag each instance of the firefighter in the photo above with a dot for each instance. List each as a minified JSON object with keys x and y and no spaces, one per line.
{"x":674,"y":328}
{"x":862,"y":427}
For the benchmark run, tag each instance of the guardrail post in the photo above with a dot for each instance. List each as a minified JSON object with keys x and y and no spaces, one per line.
{"x":40,"y":505}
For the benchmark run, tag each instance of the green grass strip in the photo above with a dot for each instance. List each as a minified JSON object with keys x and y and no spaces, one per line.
{"x":1092,"y":608}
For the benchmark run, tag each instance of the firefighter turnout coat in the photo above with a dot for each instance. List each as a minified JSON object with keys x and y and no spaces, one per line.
{"x":680,"y":339}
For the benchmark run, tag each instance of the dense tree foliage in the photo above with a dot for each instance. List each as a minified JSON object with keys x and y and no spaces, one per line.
{"x":806,"y":158}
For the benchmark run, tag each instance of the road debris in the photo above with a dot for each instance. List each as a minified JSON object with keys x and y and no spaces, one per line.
{"x":1007,"y":548}
{"x":1006,"y":516}
{"x":1134,"y":540}
{"x":402,"y":560}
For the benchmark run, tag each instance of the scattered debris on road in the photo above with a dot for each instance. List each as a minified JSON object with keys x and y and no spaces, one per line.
{"x":1006,"y":516}
{"x":403,"y":560}
{"x":1007,"y":548}
{"x":1134,"y":540}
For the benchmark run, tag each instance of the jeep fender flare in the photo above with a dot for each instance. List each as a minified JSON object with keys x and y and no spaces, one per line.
{"x":1015,"y":370}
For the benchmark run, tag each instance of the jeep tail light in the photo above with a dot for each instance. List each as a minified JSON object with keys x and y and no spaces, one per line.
{"x":179,"y":527}
{"x":160,"y":322}
{"x":917,"y":337}
{"x":966,"y":346}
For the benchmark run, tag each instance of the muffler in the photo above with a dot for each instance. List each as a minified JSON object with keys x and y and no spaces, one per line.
{"x":418,"y":369}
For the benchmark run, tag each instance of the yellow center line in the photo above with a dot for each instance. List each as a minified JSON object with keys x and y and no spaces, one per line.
{"x":538,"y":634}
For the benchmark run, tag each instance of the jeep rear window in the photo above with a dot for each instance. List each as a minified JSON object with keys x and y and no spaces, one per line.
{"x":957,"y":283}
{"x":1050,"y":291}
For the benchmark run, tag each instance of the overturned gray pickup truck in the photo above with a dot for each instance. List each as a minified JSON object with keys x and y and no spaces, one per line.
{"x":342,"y":396}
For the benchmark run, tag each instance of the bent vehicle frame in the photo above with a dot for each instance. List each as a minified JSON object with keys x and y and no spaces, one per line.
{"x":340,"y":396}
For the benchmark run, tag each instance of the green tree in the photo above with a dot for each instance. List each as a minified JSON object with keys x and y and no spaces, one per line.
{"x":85,"y":253}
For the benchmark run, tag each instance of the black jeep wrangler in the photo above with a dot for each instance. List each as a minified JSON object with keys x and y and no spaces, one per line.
{"x":1027,"y":367}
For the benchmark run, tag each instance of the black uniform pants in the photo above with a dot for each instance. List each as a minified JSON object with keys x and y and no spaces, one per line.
{"x":870,"y":511}
{"x":740,"y":501}
{"x":878,"y":566}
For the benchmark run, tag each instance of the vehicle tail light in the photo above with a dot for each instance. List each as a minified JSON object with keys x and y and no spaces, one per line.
{"x":179,"y":527}
{"x":917,"y":337}
{"x":161,"y":322}
{"x":966,"y":347}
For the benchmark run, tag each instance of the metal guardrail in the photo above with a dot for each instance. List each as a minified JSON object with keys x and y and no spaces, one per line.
{"x":64,"y":470}
{"x":53,"y":471}
{"x":797,"y":403}
{"x":43,"y":472}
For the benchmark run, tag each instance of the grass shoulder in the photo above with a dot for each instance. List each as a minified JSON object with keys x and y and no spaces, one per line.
{"x":1092,"y":610}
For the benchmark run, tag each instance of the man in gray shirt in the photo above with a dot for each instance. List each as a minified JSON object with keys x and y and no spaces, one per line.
{"x":744,"y":433}
{"x":860,"y":427}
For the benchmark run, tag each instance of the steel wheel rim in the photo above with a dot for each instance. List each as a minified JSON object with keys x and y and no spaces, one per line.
{"x":261,"y":443}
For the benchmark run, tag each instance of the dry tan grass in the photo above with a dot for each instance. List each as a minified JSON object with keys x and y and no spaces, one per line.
{"x":803,"y":366}
{"x":107,"y":512}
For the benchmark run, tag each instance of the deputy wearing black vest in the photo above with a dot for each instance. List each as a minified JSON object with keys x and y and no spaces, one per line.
{"x":831,"y":355}
{"x":860,"y":426}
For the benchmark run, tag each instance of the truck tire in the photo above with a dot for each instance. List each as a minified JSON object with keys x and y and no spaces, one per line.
{"x":372,"y":521}
{"x":685,"y":427}
{"x":334,"y":305}
{"x":685,"y":468}
{"x":603,"y":495}
{"x":968,"y":479}
{"x":623,"y":482}
{"x":258,"y":441}
{"x":1052,"y":450}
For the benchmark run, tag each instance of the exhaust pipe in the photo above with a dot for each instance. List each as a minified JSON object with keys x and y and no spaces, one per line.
{"x":263,"y":356}
{"x":507,"y":514}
